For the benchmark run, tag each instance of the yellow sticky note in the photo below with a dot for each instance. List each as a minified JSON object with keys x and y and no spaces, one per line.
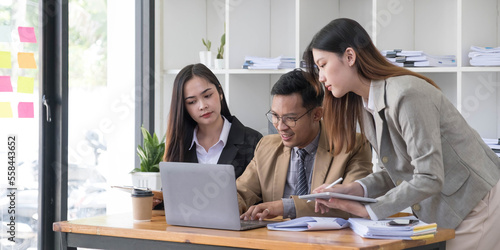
{"x":5,"y":61}
{"x":25,"y":84}
{"x":26,"y":60}
{"x":5,"y":110}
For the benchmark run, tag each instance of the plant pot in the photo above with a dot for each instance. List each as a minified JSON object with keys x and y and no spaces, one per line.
{"x":151,"y":180}
{"x":219,"y":63}
{"x":206,"y":58}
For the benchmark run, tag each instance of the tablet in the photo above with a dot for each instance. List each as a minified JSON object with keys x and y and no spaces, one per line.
{"x":328,"y":195}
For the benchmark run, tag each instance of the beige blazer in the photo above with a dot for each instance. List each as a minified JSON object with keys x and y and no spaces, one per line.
{"x":265,"y":177}
{"x":434,"y":161}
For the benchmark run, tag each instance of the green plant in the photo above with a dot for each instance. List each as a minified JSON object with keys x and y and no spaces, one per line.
{"x":220,"y":50}
{"x":151,"y":154}
{"x":207,"y":43}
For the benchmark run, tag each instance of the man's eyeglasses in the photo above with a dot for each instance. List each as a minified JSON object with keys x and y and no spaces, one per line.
{"x":289,"y":121}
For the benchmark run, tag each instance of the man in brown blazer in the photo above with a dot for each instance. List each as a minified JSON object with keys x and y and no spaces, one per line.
{"x":274,"y":176}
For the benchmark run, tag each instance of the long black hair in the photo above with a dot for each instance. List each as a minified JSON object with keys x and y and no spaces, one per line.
{"x":180,"y":125}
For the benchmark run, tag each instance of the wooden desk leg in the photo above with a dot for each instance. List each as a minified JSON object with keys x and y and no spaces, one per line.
{"x":64,"y":242}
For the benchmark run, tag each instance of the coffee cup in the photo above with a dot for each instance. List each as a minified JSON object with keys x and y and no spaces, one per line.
{"x":142,"y":203}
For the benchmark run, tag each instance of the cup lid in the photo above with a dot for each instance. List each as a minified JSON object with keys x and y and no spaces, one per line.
{"x":141,"y":193}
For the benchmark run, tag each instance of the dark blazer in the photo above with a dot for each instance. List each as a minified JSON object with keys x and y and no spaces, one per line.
{"x":239,"y":149}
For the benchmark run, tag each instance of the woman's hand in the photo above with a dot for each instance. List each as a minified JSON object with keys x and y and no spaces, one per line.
{"x":352,"y":207}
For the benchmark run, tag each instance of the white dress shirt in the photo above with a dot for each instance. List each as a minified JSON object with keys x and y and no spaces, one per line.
{"x":212,"y":155}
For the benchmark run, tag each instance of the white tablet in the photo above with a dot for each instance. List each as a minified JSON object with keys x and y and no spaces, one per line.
{"x":328,"y":195}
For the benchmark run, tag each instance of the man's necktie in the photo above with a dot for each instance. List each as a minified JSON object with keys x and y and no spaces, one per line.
{"x":301,"y":187}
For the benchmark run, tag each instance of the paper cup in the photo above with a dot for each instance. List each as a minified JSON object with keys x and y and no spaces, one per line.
{"x":142,"y":204}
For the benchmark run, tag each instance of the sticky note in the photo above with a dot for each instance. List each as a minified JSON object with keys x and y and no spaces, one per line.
{"x":25,"y":84}
{"x":5,"y":110}
{"x":5,"y":34}
{"x":26,"y":60}
{"x":5,"y":60}
{"x":25,"y":110}
{"x":27,"y":34}
{"x":5,"y":85}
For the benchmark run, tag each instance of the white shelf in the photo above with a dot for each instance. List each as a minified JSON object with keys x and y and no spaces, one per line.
{"x":238,"y":71}
{"x":480,"y":69}
{"x":271,"y":28}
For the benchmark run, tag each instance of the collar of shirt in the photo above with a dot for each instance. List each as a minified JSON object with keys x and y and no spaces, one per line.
{"x":370,"y":105}
{"x":310,"y":148}
{"x":224,"y":134}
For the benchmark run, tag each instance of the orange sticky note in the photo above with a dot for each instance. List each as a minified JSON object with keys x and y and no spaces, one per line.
{"x":25,"y":84}
{"x":5,"y":85}
{"x":26,"y":60}
{"x":27,"y":34}
{"x":5,"y":60}
{"x":25,"y":110}
{"x":5,"y":110}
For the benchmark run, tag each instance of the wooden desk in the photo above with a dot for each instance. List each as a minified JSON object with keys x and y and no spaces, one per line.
{"x":120,"y":232}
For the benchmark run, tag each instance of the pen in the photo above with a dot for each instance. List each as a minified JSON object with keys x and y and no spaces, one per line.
{"x":331,"y":185}
{"x":335,"y":183}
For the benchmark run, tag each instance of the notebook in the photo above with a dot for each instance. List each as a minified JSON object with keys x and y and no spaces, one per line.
{"x":202,"y":195}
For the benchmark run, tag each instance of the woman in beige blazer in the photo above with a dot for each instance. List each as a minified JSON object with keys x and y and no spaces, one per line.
{"x":433,"y":161}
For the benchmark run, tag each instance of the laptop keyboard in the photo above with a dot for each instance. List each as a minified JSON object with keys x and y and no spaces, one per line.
{"x":250,"y":224}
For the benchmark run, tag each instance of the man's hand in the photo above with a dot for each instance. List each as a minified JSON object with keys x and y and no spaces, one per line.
{"x":264,"y":210}
{"x":157,"y":198}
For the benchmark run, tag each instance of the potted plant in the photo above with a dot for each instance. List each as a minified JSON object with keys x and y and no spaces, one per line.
{"x":150,"y":155}
{"x":219,"y":61}
{"x":206,"y":56}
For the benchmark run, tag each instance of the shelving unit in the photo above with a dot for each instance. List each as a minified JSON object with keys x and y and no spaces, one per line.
{"x":270,"y":28}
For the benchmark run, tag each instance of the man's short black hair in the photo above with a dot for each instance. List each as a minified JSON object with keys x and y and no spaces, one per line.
{"x":295,"y":81}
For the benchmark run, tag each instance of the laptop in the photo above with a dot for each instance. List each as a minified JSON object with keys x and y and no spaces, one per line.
{"x":202,"y":195}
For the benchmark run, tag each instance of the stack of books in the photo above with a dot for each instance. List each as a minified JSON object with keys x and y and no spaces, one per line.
{"x":252,"y":62}
{"x":484,"y":56}
{"x":412,"y":58}
{"x":494,"y":144}
{"x":381,"y":229}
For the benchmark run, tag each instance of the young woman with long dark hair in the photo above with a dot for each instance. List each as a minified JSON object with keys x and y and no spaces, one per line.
{"x":434,"y":162}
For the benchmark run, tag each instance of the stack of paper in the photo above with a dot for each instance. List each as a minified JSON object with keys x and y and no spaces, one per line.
{"x":484,"y":56}
{"x":309,"y":223}
{"x":381,"y":230}
{"x":252,"y":62}
{"x":494,"y":144}
{"x":411,"y":58}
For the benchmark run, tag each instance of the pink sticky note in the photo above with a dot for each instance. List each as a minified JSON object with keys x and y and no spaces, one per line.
{"x":25,"y":110}
{"x":5,"y":85}
{"x":27,"y":34}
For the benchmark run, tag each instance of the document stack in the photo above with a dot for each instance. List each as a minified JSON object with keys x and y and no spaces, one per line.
{"x":381,"y":229}
{"x":412,"y":58}
{"x":494,"y":144}
{"x":252,"y":62}
{"x":309,"y":224}
{"x":484,"y":56}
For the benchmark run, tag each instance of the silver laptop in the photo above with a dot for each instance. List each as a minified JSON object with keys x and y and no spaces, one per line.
{"x":202,"y":195}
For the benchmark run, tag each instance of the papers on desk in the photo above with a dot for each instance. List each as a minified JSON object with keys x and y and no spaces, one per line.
{"x":363,"y":227}
{"x":309,"y":224}
{"x":381,"y":230}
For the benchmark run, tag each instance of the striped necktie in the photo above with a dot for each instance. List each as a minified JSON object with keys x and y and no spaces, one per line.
{"x":301,"y":187}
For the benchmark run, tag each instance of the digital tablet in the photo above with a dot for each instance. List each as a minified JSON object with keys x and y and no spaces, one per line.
{"x":328,"y":195}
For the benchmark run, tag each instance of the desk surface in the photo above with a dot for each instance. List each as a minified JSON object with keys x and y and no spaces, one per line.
{"x":158,"y":229}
